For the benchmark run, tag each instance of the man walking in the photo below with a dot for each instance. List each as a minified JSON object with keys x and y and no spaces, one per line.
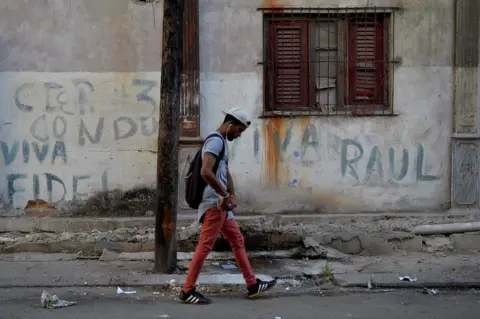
{"x":215,"y":210}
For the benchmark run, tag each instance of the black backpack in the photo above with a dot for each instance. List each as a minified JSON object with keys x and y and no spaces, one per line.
{"x":194,"y":183}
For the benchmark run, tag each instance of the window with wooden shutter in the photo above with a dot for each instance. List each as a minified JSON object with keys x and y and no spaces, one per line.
{"x":288,"y":65}
{"x":367,"y":63}
{"x":328,"y":62}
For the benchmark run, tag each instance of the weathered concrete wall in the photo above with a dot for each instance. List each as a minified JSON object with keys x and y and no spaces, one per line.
{"x":66,"y":136}
{"x":80,"y":36}
{"x":100,"y":60}
{"x":337,"y":164}
{"x":79,"y":104}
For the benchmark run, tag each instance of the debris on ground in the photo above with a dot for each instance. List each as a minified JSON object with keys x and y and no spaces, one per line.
{"x":120,"y":291}
{"x":50,"y":301}
{"x":229,"y":266}
{"x":291,"y":284}
{"x":313,"y":250}
{"x":6,"y":240}
{"x":408,"y":278}
{"x":224,"y":266}
{"x":171,"y":283}
{"x":431,"y":292}
{"x":172,"y":286}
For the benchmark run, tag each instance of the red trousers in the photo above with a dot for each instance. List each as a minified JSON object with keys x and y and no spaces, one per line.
{"x":214,"y":222}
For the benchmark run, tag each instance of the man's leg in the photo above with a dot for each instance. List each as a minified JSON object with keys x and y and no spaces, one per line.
{"x":255,"y":286}
{"x":211,"y":227}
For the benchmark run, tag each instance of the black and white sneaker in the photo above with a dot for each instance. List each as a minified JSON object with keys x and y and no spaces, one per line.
{"x":194,"y":297}
{"x":260,"y":287}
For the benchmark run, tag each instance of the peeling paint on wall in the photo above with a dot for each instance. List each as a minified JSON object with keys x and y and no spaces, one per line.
{"x":273,"y":4}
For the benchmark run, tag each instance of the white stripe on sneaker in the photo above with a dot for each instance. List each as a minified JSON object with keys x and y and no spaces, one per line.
{"x":195,"y":300}
{"x":189,"y":298}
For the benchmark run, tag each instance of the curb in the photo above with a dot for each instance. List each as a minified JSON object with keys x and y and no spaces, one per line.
{"x":87,"y":224}
{"x":165,"y":281}
{"x":392,"y":281}
{"x":234,"y":281}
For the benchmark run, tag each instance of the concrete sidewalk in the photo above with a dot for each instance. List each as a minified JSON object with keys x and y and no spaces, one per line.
{"x":64,"y":270}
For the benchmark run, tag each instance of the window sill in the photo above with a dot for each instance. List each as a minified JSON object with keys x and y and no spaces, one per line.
{"x":343,"y":113}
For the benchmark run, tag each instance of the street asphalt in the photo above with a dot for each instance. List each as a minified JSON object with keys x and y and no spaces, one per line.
{"x":105,"y":303}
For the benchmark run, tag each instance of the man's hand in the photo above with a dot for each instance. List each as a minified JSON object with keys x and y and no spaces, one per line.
{"x":224,"y":203}
{"x":228,"y":203}
{"x":233,"y":202}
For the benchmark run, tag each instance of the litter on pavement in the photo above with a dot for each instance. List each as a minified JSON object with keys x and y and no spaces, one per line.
{"x":409,"y":278}
{"x":431,"y":292}
{"x":224,"y":266}
{"x":120,"y":291}
{"x":53,"y":302}
{"x":229,"y":266}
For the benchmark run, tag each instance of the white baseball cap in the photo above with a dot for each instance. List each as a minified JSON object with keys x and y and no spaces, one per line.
{"x":240,"y":114}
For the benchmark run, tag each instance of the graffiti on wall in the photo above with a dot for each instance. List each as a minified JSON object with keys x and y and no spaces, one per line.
{"x":361,"y":161}
{"x":78,"y":101}
{"x":375,"y":162}
{"x":54,"y":119}
{"x":51,"y":182}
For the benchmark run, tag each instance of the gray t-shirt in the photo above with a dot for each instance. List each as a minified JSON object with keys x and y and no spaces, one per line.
{"x":210,"y":197}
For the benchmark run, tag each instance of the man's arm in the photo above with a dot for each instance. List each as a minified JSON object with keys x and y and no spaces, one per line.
{"x":230,"y":187}
{"x":209,"y":176}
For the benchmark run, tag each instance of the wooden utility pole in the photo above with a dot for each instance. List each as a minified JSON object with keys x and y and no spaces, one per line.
{"x":168,"y":136}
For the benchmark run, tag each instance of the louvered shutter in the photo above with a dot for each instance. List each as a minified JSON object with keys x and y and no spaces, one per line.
{"x":190,"y":96}
{"x":366,"y":63}
{"x":288,"y":65}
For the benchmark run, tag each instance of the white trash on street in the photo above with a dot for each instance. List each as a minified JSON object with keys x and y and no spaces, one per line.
{"x":408,"y":278}
{"x":120,"y":291}
{"x":50,"y":301}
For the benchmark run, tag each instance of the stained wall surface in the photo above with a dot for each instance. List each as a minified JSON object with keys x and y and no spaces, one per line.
{"x":80,"y":88}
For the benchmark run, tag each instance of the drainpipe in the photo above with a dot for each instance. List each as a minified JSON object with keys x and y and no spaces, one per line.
{"x":446,"y":228}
